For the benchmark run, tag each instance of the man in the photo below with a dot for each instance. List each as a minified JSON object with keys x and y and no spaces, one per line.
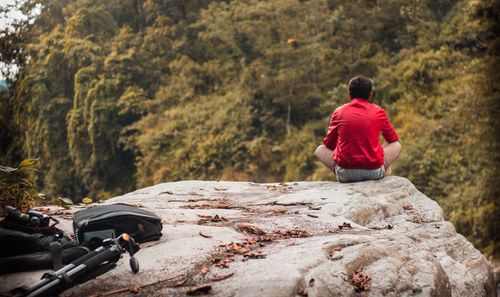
{"x":351,"y":147}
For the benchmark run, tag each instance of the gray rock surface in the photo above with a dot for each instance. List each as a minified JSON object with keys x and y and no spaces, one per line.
{"x":374,"y":238}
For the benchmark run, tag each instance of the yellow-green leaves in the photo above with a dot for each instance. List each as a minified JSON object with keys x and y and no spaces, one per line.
{"x":16,"y":184}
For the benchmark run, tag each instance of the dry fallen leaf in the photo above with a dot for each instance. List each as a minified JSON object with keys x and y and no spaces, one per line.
{"x":254,"y":255}
{"x":279,"y":211}
{"x":204,"y":270}
{"x":388,"y":226}
{"x":407,"y":206}
{"x":345,"y":226}
{"x":135,"y":288}
{"x":217,"y":278}
{"x":181,"y":282}
{"x":246,"y":228}
{"x":334,"y":250}
{"x":222,"y":263}
{"x":208,"y":219}
{"x":360,"y":280}
{"x":293,"y":233}
{"x":199,"y":290}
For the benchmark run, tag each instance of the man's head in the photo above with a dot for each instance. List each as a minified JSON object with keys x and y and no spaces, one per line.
{"x":360,"y":87}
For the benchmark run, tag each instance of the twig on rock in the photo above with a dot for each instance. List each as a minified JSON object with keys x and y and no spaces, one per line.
{"x":204,"y":235}
{"x":137,"y":287}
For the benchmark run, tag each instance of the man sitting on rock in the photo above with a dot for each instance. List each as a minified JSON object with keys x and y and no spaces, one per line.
{"x":351,"y":147}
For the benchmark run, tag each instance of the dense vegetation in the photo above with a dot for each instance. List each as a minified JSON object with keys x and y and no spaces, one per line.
{"x":118,"y":94}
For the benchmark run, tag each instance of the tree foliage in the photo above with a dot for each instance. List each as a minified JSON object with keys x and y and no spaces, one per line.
{"x":113,"y":95}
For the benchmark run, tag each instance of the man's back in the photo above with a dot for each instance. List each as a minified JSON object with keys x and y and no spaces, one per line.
{"x":354,"y":135}
{"x":351,"y":147}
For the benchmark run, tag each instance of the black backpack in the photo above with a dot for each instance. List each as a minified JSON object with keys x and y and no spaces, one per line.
{"x":94,"y":224}
{"x":27,"y":247}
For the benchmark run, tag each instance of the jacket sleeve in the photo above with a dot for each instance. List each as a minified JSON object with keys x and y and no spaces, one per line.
{"x":332,"y":136}
{"x":388,"y":131}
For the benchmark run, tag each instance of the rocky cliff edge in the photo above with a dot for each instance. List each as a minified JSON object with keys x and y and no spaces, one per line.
{"x":374,"y":238}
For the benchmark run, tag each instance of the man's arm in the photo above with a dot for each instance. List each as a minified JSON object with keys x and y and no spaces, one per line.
{"x":387,"y":129}
{"x":330,"y":140}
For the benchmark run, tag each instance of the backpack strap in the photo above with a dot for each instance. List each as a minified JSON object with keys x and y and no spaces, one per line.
{"x":55,"y":254}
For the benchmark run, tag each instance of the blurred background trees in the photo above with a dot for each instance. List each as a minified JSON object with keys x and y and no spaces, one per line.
{"x":114,"y":95}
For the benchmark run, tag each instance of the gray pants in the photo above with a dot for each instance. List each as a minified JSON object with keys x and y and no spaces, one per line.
{"x":354,"y":175}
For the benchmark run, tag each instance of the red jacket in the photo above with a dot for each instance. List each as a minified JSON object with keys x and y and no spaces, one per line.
{"x":354,"y":135}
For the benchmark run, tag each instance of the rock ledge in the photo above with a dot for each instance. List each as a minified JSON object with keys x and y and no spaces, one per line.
{"x":377,"y":238}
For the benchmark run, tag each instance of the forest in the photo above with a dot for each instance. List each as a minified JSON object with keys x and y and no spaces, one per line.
{"x":114,"y":95}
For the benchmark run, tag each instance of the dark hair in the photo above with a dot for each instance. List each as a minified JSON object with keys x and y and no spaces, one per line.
{"x":360,"y":87}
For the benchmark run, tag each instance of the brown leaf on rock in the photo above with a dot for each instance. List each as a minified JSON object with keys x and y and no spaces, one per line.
{"x":199,"y":290}
{"x":388,"y":226}
{"x":216,"y":218}
{"x":333,"y":250}
{"x":220,"y":263}
{"x":250,"y":229}
{"x":181,"y":282}
{"x":223,"y":263}
{"x":224,"y":204}
{"x":209,"y":219}
{"x":259,"y":239}
{"x":239,"y":248}
{"x":204,"y":270}
{"x":266,"y":238}
{"x":293,"y":233}
{"x":345,"y":226}
{"x":251,"y":240}
{"x":198,"y":206}
{"x":135,"y":288}
{"x":407,"y":206}
{"x":360,"y":280}
{"x":217,"y":278}
{"x":254,"y":255}
{"x":279,"y":211}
